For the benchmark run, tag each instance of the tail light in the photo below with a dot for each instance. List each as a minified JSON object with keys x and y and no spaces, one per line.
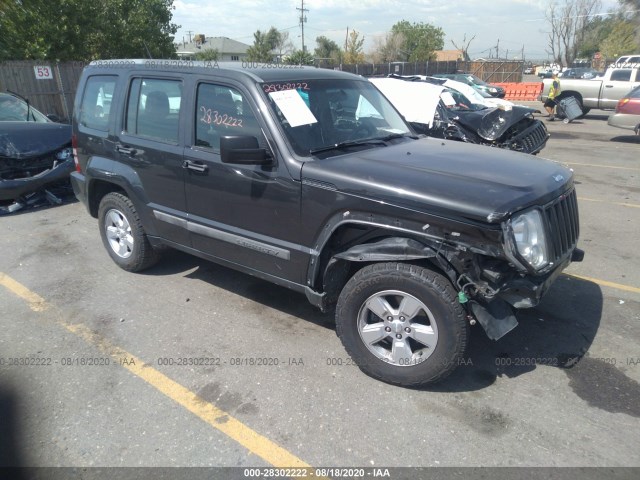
{"x":621,"y":103}
{"x":74,"y":146}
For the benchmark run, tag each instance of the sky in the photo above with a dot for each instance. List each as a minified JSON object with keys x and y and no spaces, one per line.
{"x":511,"y":25}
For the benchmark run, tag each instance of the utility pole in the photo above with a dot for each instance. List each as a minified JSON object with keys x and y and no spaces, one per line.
{"x":346,"y":39}
{"x":498,"y":50}
{"x":303,"y":20}
{"x":189,"y":32}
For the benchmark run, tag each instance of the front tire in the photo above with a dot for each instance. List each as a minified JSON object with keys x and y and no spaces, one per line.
{"x":402,"y":324}
{"x":122,"y":234}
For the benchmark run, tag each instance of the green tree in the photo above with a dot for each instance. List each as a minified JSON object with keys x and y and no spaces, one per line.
{"x":630,"y":9}
{"x":130,"y":29}
{"x":327,"y":50}
{"x":595,"y":33}
{"x":208,"y":55}
{"x":298,"y":57}
{"x":389,"y":49}
{"x":421,"y":40}
{"x":621,"y":40}
{"x":81,"y":30}
{"x":279,"y":42}
{"x":353,"y":52}
{"x":260,"y":51}
{"x":569,"y":24}
{"x":38,"y":29}
{"x":273,"y":37}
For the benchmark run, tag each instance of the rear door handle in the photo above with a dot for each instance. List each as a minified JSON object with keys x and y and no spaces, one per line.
{"x":126,"y":150}
{"x":198,"y":167}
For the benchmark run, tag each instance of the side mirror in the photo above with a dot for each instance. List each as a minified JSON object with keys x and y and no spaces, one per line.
{"x":53,"y":117}
{"x":243,"y":149}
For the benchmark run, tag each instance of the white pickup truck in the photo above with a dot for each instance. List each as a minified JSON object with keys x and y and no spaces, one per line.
{"x":600,"y":92}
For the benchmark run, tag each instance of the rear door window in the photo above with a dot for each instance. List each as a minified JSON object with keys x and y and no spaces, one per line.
{"x":153,"y":109}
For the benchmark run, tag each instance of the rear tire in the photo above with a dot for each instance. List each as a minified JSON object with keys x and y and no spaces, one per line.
{"x":122,"y":234}
{"x":402,"y":324}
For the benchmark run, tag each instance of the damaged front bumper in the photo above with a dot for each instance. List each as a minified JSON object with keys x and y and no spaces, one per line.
{"x":33,"y":156}
{"x":496,"y":313}
{"x":531,"y":140}
{"x":12,"y":189}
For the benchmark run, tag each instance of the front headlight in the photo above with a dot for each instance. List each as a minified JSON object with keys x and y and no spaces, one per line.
{"x":528,"y":232}
{"x":64,"y":154}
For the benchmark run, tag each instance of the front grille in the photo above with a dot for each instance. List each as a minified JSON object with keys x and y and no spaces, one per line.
{"x":563,"y":225}
{"x":533,"y":139}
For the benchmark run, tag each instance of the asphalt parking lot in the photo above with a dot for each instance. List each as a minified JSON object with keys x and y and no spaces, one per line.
{"x":192,"y":364}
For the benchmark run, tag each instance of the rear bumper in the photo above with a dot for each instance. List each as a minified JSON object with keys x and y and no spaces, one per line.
{"x":625,"y":120}
{"x":79,"y":185}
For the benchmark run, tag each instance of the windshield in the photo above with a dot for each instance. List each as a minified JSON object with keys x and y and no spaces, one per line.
{"x":455,"y":101}
{"x":13,"y":109}
{"x":317,"y":114}
{"x":475,"y":80}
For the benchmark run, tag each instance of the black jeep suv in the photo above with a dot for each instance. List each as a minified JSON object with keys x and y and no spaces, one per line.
{"x":310,"y":179}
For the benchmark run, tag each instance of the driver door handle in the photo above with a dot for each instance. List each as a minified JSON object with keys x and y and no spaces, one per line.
{"x":126,"y":150}
{"x":198,"y":167}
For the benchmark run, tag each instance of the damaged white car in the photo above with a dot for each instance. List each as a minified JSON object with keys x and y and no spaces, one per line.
{"x":438,"y":111}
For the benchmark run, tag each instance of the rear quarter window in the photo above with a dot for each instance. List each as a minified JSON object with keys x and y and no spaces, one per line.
{"x":95,"y":106}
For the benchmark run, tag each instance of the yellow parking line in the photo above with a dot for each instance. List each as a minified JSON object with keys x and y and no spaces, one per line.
{"x":622,"y":204}
{"x":605,"y":283}
{"x":257,"y":444}
{"x":600,"y":166}
{"x":36,"y":302}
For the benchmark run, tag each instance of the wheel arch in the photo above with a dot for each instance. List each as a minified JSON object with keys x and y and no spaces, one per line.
{"x":98,"y":188}
{"x":353,"y":246}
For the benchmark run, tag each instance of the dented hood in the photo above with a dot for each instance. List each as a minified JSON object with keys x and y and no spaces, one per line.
{"x":492,"y":123}
{"x":30,"y":139}
{"x":453,"y":178}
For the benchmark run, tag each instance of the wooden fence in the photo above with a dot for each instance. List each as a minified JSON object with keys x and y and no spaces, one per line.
{"x":49,"y":86}
{"x":494,"y":71}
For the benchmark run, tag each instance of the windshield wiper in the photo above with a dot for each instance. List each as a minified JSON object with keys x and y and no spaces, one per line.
{"x":365,"y":141}
{"x":350,"y":143}
{"x":393,"y":136}
{"x":25,"y":101}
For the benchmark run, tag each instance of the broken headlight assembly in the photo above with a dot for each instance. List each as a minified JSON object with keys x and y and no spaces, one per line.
{"x":527,"y":235}
{"x":64,"y":154}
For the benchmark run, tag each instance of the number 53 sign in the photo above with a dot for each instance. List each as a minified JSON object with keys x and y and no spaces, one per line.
{"x":43,"y":73}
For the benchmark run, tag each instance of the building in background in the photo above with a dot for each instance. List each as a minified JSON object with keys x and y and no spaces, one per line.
{"x":228,"y":50}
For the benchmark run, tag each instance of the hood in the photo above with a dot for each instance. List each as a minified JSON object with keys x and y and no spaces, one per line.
{"x":416,"y":101}
{"x":31,"y":139}
{"x":449,"y":178}
{"x":475,"y":96}
{"x":491,"y":123}
{"x":498,"y":102}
